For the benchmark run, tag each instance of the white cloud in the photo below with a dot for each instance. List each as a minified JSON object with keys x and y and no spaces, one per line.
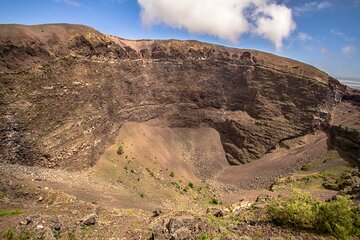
{"x":71,"y":3}
{"x":324,"y":4}
{"x":275,"y":23}
{"x":312,"y":6}
{"x":324,"y":50}
{"x":336,"y":32}
{"x":348,"y":50}
{"x":341,"y":34}
{"x":224,"y":19}
{"x":304,"y":37}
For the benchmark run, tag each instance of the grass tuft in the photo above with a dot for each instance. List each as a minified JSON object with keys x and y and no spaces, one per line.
{"x":120,"y":150}
{"x":4,"y":213}
{"x":214,"y":201}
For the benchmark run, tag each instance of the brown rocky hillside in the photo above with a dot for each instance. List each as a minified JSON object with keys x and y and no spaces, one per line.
{"x":107,"y":138}
{"x":67,"y":89}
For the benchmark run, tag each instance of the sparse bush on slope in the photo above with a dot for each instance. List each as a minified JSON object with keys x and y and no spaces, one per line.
{"x":120,"y":150}
{"x":338,"y":217}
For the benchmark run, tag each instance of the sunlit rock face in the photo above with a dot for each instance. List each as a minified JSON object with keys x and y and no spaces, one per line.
{"x":66,"y":90}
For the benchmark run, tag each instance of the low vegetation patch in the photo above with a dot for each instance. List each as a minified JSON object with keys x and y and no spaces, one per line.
{"x":329,"y":179}
{"x":120,"y":150}
{"x":4,"y":213}
{"x":339,"y":217}
{"x":10,"y":234}
{"x":203,"y":237}
{"x":85,"y":229}
{"x":214,"y":201}
{"x":332,"y":155}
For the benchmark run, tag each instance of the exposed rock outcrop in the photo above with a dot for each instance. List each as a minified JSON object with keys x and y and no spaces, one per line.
{"x":65,"y":90}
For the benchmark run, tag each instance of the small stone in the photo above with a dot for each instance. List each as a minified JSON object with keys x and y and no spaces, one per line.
{"x":236,"y":208}
{"x":220,"y":213}
{"x":245,"y":204}
{"x":263,"y":198}
{"x":28,"y":220}
{"x":156,"y":213}
{"x":217,"y":212}
{"x":39,"y":227}
{"x":89,"y":220}
{"x":57,"y":226}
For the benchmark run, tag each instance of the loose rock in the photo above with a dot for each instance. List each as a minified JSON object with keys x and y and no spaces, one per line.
{"x":156,"y":213}
{"x":89,"y":220}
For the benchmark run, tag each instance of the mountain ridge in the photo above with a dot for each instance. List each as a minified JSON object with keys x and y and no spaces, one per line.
{"x":73,"y":29}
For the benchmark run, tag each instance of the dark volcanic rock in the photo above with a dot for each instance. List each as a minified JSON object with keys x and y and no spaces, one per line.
{"x":89,"y":220}
{"x":65,"y":91}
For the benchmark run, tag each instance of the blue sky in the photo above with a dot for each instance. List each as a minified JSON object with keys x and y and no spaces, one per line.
{"x":325,"y":34}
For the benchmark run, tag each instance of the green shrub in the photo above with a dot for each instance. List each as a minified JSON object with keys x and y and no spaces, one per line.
{"x":11,"y":235}
{"x":338,"y":217}
{"x":335,"y":218}
{"x":8,"y":234}
{"x":191,"y":185}
{"x":171,"y":174}
{"x":214,"y":201}
{"x":25,"y":235}
{"x":296,"y":211}
{"x":120,"y":150}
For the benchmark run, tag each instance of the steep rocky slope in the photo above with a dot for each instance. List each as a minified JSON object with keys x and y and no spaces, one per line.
{"x":183,"y":113}
{"x":65,"y":91}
